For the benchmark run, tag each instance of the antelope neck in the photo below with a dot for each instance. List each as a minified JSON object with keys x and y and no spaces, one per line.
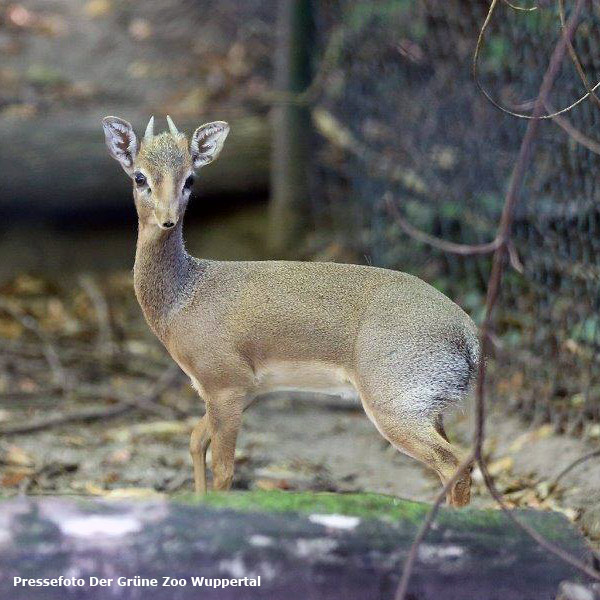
{"x":163,"y":274}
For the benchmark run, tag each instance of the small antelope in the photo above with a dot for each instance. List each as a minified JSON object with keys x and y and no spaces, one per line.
{"x":241,"y":329}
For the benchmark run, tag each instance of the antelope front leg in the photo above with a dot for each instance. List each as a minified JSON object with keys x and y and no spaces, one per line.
{"x":224,"y":418}
{"x":199,"y":442}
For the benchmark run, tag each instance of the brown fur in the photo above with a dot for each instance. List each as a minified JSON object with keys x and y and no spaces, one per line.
{"x":239,"y":329}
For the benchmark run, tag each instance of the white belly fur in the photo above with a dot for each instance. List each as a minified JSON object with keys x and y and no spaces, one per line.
{"x":318,"y":377}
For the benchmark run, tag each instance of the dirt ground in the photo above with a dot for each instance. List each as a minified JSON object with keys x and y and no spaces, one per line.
{"x":298,"y":443}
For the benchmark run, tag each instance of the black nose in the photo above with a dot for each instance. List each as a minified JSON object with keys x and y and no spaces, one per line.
{"x":168,"y":224}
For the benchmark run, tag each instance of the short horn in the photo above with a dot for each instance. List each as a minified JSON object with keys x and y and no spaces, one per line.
{"x":172,"y":128}
{"x":149,"y":130}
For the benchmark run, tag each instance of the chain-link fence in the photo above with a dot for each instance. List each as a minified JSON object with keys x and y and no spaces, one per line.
{"x":401,"y":111}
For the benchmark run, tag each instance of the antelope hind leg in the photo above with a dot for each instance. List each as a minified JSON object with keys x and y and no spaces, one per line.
{"x":423,"y":439}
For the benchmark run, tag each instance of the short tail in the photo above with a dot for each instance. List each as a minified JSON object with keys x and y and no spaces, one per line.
{"x":472,"y":355}
{"x":458,"y":367}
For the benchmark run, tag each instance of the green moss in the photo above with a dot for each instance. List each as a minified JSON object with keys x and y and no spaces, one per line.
{"x":365,"y":505}
{"x":360,"y":505}
{"x":383,"y":508}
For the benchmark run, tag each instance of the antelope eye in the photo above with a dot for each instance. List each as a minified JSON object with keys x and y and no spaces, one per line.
{"x":140,"y":179}
{"x":189,"y":182}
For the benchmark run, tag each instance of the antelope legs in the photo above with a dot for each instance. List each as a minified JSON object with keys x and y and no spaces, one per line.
{"x":199,"y":442}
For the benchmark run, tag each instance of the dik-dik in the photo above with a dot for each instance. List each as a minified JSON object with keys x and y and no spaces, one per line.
{"x":241,"y":329}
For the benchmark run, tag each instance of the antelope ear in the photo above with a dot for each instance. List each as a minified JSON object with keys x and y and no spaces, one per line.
{"x":207,"y":142}
{"x":121,"y":141}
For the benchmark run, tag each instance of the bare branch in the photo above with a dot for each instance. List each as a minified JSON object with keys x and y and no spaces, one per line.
{"x":80,"y":416}
{"x":105,"y":337}
{"x":535,"y":535}
{"x":451,"y":247}
{"x":59,"y":374}
{"x":521,"y":8}
{"x":513,"y":257}
{"x":488,"y":96}
{"x":575,"y":58}
{"x":572,"y":465}
{"x":147,"y":403}
{"x":574,"y":133}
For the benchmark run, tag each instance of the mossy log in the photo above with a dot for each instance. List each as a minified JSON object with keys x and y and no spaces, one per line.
{"x":302,"y":545}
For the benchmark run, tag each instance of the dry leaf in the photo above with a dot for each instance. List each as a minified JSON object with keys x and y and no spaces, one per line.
{"x":571,"y":513}
{"x":111,"y":477}
{"x":119,"y":457}
{"x":28,"y":385}
{"x":25,"y":284}
{"x":13,"y":455}
{"x":540,"y":433}
{"x":593,"y":431}
{"x":14,"y":478}
{"x":140,"y":29}
{"x":502,"y":465}
{"x":10,"y":329}
{"x":477,"y":476}
{"x":133,"y":493}
{"x":98,"y":8}
{"x":543,"y":489}
{"x":272,"y":484}
{"x":91,"y":488}
{"x":158,"y":429}
{"x":77,"y":441}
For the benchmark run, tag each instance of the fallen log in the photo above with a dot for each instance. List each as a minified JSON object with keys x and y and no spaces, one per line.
{"x":61,"y":165}
{"x":300,"y":545}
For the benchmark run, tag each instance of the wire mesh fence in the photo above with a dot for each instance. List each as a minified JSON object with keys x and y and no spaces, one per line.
{"x":400,"y":111}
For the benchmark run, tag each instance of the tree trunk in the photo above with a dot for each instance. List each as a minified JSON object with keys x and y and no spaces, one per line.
{"x":291,"y":129}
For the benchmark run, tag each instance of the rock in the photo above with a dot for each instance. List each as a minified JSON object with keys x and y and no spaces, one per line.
{"x":301,"y":545}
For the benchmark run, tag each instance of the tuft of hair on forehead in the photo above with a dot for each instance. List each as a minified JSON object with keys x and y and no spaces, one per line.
{"x":165,"y":151}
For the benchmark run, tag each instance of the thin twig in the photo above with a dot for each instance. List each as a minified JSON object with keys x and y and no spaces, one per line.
{"x":575,"y":58}
{"x":513,"y":257}
{"x":535,"y":535}
{"x":105,"y":337}
{"x":572,"y":465}
{"x":521,"y":8}
{"x":131,"y":362}
{"x":575,"y":134}
{"x":452,"y":247}
{"x":94,"y":392}
{"x":59,"y":374}
{"x":440,"y":244}
{"x":147,"y":403}
{"x":488,"y":96}
{"x":80,"y":416}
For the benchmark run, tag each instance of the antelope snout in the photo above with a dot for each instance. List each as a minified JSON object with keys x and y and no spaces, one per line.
{"x":166,"y":219}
